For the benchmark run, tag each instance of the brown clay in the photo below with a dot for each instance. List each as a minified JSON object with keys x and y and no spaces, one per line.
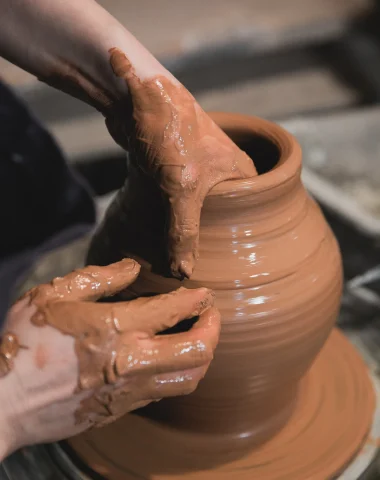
{"x":174,"y":141}
{"x":330,"y":422}
{"x":122,"y":363}
{"x":267,"y":252}
{"x":9,"y":347}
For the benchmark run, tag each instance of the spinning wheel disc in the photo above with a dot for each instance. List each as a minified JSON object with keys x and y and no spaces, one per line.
{"x":330,"y":422}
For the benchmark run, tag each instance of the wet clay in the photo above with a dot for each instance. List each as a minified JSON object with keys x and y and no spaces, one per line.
{"x":119,"y":358}
{"x":173,"y":140}
{"x":275,"y":266}
{"x":9,"y":348}
{"x":330,"y":422}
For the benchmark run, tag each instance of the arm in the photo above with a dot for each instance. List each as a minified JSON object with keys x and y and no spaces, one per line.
{"x":66,"y":43}
{"x":81,"y":49}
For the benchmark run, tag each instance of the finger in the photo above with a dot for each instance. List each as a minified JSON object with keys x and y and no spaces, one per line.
{"x":191,"y":349}
{"x":172,"y":353}
{"x":183,"y":189}
{"x":185,"y":213}
{"x":174,"y":384}
{"x":119,"y":408}
{"x":161,"y":312}
{"x":108,"y":403}
{"x":89,"y":283}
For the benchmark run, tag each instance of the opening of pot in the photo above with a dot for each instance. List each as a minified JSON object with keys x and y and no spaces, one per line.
{"x":262,"y":150}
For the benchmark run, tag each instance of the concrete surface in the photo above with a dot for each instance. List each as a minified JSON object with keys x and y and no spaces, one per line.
{"x":341,"y":153}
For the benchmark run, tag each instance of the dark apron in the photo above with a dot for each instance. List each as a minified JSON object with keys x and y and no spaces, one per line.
{"x":43,"y":204}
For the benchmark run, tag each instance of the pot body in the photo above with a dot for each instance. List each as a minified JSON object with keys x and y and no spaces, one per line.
{"x":274,"y":264}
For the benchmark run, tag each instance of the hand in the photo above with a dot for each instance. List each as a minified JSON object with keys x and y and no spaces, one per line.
{"x":169,"y":135}
{"x":67,"y":363}
{"x":171,"y":138}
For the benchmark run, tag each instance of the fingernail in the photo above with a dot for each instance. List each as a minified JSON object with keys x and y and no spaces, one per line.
{"x":175,"y":270}
{"x":185,"y":268}
{"x":129,"y":263}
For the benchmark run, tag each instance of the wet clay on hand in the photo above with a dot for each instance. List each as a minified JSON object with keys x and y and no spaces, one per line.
{"x":172,"y":139}
{"x":274,"y":264}
{"x":9,"y":348}
{"x":266,"y":408}
{"x":120,"y":358}
{"x":330,"y":422}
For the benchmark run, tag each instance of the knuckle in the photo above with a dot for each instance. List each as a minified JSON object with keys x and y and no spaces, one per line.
{"x":189,"y":229}
{"x":185,"y":225}
{"x":190,"y":183}
{"x":129,"y":364}
{"x":202,"y":352}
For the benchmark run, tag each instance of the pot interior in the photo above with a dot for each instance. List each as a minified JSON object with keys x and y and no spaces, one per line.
{"x":263,"y":151}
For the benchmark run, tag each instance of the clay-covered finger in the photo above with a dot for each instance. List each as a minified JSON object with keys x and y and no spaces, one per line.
{"x":184,"y":220}
{"x":88,"y":283}
{"x":174,"y":384}
{"x":173,"y":353}
{"x":191,"y":349}
{"x":156,"y":314}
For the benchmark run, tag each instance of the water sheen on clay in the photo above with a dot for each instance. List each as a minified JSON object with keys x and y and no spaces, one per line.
{"x":176,"y":143}
{"x":271,"y":258}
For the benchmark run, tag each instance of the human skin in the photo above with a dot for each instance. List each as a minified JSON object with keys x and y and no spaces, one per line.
{"x":82,"y":50}
{"x":82,"y":364}
{"x":69,"y":45}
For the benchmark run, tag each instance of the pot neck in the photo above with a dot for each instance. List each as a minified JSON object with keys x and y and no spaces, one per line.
{"x":259,"y":211}
{"x":273,"y":198}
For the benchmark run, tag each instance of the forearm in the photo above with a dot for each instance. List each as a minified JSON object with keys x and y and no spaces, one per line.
{"x":66,"y":44}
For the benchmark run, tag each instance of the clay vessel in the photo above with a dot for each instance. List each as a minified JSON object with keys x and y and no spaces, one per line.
{"x":275,"y":266}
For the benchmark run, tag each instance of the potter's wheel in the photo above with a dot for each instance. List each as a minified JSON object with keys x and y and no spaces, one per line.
{"x":329,"y":426}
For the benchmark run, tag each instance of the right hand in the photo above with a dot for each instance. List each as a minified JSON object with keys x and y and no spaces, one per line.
{"x":171,"y":138}
{"x":82,"y":364}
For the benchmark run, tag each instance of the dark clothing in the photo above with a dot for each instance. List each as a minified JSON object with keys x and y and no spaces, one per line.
{"x":43,"y":204}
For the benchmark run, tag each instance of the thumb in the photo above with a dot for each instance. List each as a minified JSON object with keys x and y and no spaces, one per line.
{"x":184,"y":218}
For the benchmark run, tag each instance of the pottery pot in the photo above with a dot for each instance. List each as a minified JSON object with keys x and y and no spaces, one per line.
{"x":274,"y":264}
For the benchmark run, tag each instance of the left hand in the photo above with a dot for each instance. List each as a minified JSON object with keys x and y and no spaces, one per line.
{"x":68,"y":363}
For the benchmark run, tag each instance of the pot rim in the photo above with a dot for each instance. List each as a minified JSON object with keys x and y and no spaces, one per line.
{"x":288,"y":166}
